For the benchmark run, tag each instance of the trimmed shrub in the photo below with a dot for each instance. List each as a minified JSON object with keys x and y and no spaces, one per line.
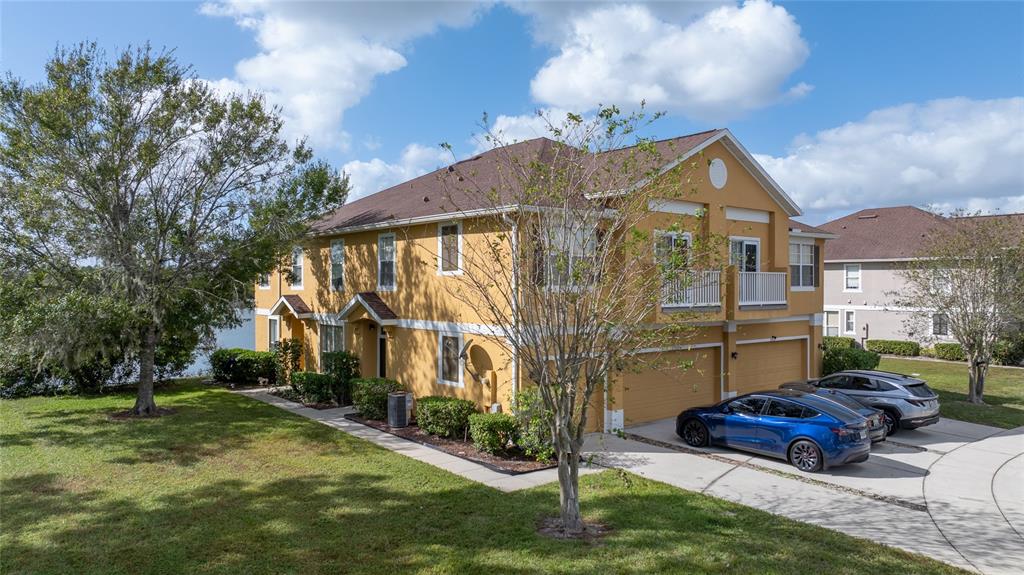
{"x":343,"y":366}
{"x":840,"y":359}
{"x":1009,"y":351}
{"x":894,"y":347}
{"x":444,"y":416}
{"x":370,"y":396}
{"x":314,"y":387}
{"x":837,"y":342}
{"x":243,"y":366}
{"x":950,"y":351}
{"x":533,"y":419}
{"x":927,"y":352}
{"x":493,"y":432}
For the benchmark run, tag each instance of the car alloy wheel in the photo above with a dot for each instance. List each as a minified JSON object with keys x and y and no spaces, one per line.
{"x":695,"y":434}
{"x":805,"y":456}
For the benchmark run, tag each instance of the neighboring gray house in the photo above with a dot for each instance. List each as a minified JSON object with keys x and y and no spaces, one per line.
{"x":861,"y":273}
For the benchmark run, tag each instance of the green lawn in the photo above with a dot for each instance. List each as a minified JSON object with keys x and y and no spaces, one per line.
{"x":230,"y":485}
{"x":1004,"y":391}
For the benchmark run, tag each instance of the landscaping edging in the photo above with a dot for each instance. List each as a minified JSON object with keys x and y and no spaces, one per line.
{"x":379,"y":426}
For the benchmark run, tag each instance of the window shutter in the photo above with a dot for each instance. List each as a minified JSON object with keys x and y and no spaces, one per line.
{"x":817,"y":266}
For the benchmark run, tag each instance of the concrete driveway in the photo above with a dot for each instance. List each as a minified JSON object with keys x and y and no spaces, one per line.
{"x":953,"y":491}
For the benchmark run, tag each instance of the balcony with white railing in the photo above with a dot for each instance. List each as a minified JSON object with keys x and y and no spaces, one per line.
{"x":693,"y":289}
{"x":762,"y":288}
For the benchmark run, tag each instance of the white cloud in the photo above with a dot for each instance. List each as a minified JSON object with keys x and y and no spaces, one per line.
{"x":947,"y":153}
{"x":368,"y":177}
{"x":512,"y":129}
{"x":725,"y":62}
{"x":318,"y":59}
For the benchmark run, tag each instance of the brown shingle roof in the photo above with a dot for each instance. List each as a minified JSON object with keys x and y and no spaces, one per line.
{"x":297,"y":304}
{"x":381,"y":309}
{"x":889,"y":233}
{"x":800,"y":226}
{"x":464,"y":185}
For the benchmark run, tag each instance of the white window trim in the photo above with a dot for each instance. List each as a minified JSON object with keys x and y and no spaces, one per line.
{"x":747,"y":239}
{"x":658,"y":234}
{"x":843,"y":318}
{"x":825,"y":326}
{"x":273,"y":338}
{"x":302,"y":267}
{"x":440,"y":359}
{"x":259,"y":283}
{"x":860,"y":278}
{"x":568,"y":288}
{"x":330,"y":261}
{"x":806,"y":242}
{"x":440,"y":251}
{"x":394,"y":244}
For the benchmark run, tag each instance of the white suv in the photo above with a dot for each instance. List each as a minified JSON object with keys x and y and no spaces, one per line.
{"x":906,"y":402}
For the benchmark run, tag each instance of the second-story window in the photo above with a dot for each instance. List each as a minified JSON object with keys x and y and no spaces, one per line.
{"x":386,"y":262}
{"x":803,"y":265}
{"x":297,"y":267}
{"x":851,"y":280}
{"x":744,"y":253}
{"x":449,"y":249}
{"x":338,"y":265}
{"x":264,"y":281}
{"x":940,"y":324}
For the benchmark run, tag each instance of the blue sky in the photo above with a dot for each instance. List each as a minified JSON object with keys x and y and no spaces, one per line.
{"x":848,"y":105}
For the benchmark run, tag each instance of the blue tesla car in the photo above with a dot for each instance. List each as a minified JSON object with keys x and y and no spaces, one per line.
{"x":810,"y":432}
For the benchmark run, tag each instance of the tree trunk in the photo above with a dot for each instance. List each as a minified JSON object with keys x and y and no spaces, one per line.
{"x":977,"y":382}
{"x":144,"y":402}
{"x":569,"y":490}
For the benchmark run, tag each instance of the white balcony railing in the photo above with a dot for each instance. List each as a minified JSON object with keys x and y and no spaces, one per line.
{"x":762,"y":288}
{"x":694,"y":289}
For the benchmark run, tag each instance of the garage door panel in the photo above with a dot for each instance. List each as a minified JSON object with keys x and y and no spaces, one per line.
{"x":763,"y":366}
{"x":665,"y":389}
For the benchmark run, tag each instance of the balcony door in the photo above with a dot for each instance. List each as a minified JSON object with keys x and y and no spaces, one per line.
{"x":745,"y":254}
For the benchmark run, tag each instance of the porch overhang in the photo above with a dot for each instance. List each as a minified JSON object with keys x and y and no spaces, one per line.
{"x":373,"y":306}
{"x":292,"y":304}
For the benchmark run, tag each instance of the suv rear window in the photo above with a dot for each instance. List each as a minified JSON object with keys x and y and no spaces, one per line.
{"x":920,"y":390}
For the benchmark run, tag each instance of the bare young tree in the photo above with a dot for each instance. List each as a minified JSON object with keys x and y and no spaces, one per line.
{"x":970,"y":271}
{"x":571,"y":273}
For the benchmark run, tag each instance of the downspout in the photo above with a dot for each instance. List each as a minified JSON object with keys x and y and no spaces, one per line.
{"x":515,"y":307}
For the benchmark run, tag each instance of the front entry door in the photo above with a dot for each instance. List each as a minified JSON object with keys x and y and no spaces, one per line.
{"x":382,"y":353}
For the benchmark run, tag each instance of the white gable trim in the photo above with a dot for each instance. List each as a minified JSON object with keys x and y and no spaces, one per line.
{"x":281,"y":302}
{"x":358,"y":300}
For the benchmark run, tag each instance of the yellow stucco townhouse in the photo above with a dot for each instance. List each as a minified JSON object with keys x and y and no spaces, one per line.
{"x":374,"y":278}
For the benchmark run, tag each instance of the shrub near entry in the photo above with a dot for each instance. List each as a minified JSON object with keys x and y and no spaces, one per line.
{"x":493,"y":433}
{"x":313,"y":387}
{"x":841,"y":359}
{"x":444,"y":416}
{"x":370,"y":396}
{"x":838,"y":342}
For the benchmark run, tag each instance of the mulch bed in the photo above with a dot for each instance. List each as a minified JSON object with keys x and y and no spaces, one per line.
{"x":294,"y":398}
{"x":592,"y":532}
{"x":512,"y":464}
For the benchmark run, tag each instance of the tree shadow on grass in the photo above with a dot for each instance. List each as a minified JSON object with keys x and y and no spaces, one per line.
{"x":204,"y":425}
{"x":376,"y":523}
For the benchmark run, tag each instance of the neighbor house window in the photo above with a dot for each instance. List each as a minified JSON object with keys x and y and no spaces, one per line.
{"x":332,"y":338}
{"x":940,"y":324}
{"x":803,"y":265}
{"x":297,"y":268}
{"x":851,"y":274}
{"x":849,"y":322}
{"x":273,"y":332}
{"x":449,"y":364}
{"x":386,"y":262}
{"x":832,"y":323}
{"x":264,"y":281}
{"x":449,"y":249}
{"x":337,"y":265}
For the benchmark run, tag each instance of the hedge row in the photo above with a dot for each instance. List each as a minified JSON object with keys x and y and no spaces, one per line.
{"x":840,"y":359}
{"x":950,"y":351}
{"x":243,"y":366}
{"x":894,"y":347}
{"x":838,"y":342}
